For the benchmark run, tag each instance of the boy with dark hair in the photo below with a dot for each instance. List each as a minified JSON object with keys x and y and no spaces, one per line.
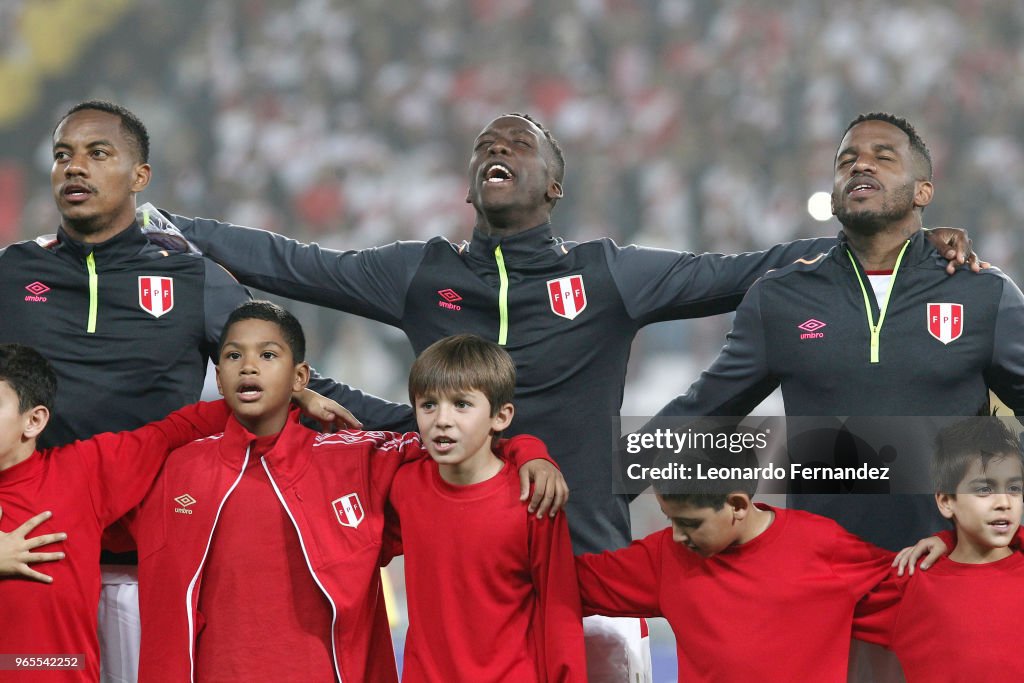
{"x":958,"y":621}
{"x":752,"y":592}
{"x":259,"y":549}
{"x":83,"y":487}
{"x":492,"y":589}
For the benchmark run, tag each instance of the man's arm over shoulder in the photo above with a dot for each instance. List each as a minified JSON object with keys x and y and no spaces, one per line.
{"x":222,"y":294}
{"x":660,"y":284}
{"x":739,"y":379}
{"x":368,"y":282}
{"x":1005,"y":375}
{"x":126,"y":463}
{"x":624,"y":582}
{"x":375,"y":413}
{"x":558,"y":621}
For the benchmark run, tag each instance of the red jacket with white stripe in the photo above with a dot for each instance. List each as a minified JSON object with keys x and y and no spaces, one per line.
{"x":332,"y":486}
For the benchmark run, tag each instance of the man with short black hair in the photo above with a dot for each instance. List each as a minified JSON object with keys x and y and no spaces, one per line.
{"x":566,"y":312}
{"x":128,"y":325}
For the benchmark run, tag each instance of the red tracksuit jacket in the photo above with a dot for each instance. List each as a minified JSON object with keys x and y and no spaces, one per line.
{"x":332,"y":486}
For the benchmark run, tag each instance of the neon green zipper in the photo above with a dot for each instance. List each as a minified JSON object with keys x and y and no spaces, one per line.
{"x":876,"y":330}
{"x":502,"y":297}
{"x":94,"y":295}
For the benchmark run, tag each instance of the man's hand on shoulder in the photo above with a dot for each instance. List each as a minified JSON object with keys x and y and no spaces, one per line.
{"x":331,"y":415}
{"x":955,"y":245}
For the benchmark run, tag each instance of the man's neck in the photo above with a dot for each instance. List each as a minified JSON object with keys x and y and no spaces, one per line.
{"x":880,"y":250}
{"x":500,"y":225}
{"x":99,"y":229}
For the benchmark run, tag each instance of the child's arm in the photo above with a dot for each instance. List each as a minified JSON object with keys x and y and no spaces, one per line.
{"x":874,"y":618}
{"x":16,"y":550}
{"x":558,"y":622}
{"x":126,"y":463}
{"x":530,"y":456}
{"x":931,"y":549}
{"x":625,"y":582}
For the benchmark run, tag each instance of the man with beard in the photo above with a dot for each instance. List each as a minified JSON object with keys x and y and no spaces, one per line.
{"x":873,"y":328}
{"x":566,"y":312}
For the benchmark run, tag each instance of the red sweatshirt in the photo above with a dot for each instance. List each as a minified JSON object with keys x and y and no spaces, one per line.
{"x":952,"y":623}
{"x":332,"y":488}
{"x":776,"y":609}
{"x":87,"y":484}
{"x":492,"y":589}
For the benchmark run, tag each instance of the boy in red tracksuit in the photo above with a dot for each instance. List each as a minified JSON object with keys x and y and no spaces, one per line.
{"x":751,"y":591}
{"x":259,"y":548}
{"x":959,"y":620}
{"x":83,"y":487}
{"x":492,"y":590}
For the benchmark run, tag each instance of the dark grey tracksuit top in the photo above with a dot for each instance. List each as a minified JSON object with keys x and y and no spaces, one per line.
{"x":121,"y":360}
{"x":566,"y":313}
{"x":806,"y":327}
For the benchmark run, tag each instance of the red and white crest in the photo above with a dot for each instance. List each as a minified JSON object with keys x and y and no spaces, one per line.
{"x":349,"y":510}
{"x":946,"y":321}
{"x":156,"y":294}
{"x":567,"y":295}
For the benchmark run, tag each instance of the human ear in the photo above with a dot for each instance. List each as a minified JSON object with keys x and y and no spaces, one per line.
{"x":301,"y":377}
{"x":923,"y":192}
{"x":143,"y":172}
{"x":36,"y":420}
{"x":945,"y":503}
{"x":502,"y":418}
{"x":555,"y":190}
{"x":739,"y":504}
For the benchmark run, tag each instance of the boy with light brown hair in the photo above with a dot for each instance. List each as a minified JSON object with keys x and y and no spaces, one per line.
{"x":491,"y":588}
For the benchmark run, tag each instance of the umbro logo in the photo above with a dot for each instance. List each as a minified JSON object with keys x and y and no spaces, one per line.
{"x":810,"y":328}
{"x":36,"y":291}
{"x":450,"y":296}
{"x":185,"y":501}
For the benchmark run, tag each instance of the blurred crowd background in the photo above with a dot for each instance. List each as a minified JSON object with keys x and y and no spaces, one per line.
{"x":687,"y":124}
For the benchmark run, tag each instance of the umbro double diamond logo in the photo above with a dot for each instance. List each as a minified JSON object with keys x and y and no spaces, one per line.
{"x":185,"y":501}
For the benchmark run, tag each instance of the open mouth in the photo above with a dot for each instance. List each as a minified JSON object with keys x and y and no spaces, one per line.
{"x":76,"y":193}
{"x":498,"y":173}
{"x":861,"y":186}
{"x":249,"y":392}
{"x":1002,"y":525}
{"x":443,"y":444}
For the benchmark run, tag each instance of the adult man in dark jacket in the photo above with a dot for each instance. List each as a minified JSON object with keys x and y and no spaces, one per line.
{"x":873,"y":328}
{"x":566,"y":312}
{"x":127,"y":324}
